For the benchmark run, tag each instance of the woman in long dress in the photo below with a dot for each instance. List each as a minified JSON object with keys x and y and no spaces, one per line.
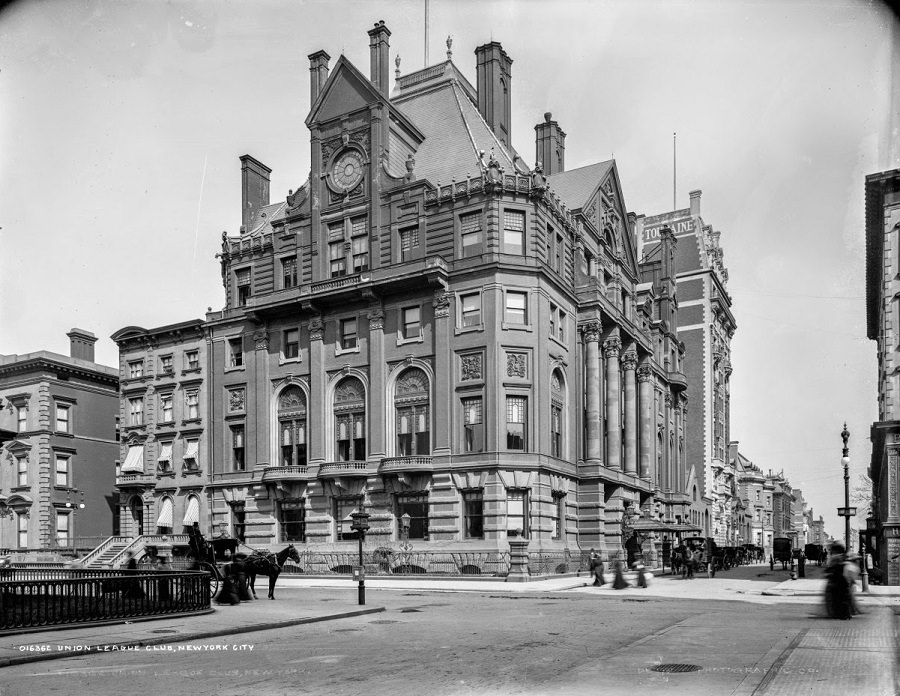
{"x":838,"y":602}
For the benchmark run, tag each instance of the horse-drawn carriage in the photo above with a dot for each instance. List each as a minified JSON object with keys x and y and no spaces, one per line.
{"x":700,"y":552}
{"x":211,"y":556}
{"x":782,"y":550}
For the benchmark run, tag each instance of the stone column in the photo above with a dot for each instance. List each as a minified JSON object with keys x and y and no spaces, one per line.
{"x":443,"y":369}
{"x":611,"y":348}
{"x":645,"y":375}
{"x":261,"y":395}
{"x":376,"y":402}
{"x":317,"y":379}
{"x":629,"y":362}
{"x":591,"y":333}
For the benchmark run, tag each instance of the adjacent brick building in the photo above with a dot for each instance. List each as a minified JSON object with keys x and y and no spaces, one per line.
{"x":59,"y":447}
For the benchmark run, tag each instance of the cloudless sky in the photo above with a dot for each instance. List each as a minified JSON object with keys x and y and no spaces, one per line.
{"x":122,"y":121}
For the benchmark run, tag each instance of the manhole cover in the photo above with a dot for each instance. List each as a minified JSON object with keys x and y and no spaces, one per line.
{"x":164,"y":630}
{"x":409,"y":611}
{"x":673,"y":667}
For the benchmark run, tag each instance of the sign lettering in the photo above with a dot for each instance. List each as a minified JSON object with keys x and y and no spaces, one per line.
{"x":679,"y":227}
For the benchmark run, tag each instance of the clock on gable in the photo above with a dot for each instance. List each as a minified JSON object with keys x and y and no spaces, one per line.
{"x":347,"y":170}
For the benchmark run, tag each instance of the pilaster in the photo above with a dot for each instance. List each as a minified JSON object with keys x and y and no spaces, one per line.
{"x":611,"y":348}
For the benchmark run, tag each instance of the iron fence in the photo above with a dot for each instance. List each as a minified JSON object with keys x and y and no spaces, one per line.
{"x":32,"y":598}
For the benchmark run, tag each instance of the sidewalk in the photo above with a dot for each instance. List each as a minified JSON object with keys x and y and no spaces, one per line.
{"x":294,"y":606}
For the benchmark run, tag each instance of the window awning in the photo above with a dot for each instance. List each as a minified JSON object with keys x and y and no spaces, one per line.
{"x":165,"y":514}
{"x":193,"y":512}
{"x":134,"y":462}
{"x":192,"y":448}
{"x":165,"y":453}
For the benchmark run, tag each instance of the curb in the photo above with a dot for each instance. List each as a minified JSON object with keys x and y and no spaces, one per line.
{"x":196,"y":635}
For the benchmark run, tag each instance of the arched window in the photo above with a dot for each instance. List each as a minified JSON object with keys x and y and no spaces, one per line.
{"x":411,"y":403}
{"x":350,"y":420}
{"x":292,"y":426}
{"x":557,"y":408}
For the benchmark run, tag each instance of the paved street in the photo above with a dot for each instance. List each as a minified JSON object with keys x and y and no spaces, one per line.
{"x":577,"y":641}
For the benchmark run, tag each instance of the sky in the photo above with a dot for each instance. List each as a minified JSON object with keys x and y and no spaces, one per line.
{"x":122,"y":121}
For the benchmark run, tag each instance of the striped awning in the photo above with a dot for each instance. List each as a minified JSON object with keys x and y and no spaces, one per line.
{"x":192,"y":449}
{"x":165,"y":513}
{"x":165,"y":453}
{"x":192,"y":514}
{"x":134,"y":462}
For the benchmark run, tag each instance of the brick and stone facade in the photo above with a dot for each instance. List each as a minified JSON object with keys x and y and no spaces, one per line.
{"x":883,"y":327}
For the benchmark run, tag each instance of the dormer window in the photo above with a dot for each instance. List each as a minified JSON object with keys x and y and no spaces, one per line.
{"x":242,"y":279}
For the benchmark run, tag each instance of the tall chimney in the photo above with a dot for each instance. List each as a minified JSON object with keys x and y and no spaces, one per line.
{"x":318,"y":73}
{"x":379,"y":58}
{"x":493,"y":78}
{"x":81,"y":344}
{"x":254,"y":188}
{"x":695,"y":202}
{"x":550,"y":145}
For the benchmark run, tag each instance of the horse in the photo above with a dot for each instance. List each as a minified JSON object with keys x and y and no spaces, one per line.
{"x":268,"y":563}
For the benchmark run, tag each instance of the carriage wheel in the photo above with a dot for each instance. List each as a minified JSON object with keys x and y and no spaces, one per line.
{"x":213,"y":579}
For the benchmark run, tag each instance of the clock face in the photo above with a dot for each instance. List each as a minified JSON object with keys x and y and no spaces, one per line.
{"x":347,"y":170}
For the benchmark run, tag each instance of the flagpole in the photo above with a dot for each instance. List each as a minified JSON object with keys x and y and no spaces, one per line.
{"x":674,"y":170}
{"x":426,"y":33}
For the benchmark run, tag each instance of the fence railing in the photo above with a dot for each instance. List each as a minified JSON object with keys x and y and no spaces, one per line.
{"x":31,"y":598}
{"x":407,"y":561}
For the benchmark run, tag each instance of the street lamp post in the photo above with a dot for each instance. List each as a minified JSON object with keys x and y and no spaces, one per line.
{"x":361,"y":525}
{"x":845,"y":460}
{"x":74,"y":504}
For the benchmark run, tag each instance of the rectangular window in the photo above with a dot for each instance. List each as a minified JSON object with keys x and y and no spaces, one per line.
{"x":166,"y":408}
{"x":293,"y":443}
{"x":289,"y":272}
{"x":473,"y":424}
{"x":22,"y":471}
{"x":191,"y":454}
{"x":348,"y":334}
{"x":516,"y":420}
{"x":516,"y":308}
{"x":192,"y":358}
{"x":337,"y":260}
{"x":62,"y":528}
{"x":62,"y":418}
{"x":551,"y":245}
{"x":166,"y":365}
{"x":554,"y":315}
{"x":559,"y":254}
{"x":62,"y":471}
{"x":359,"y":235}
{"x":413,"y":438}
{"x":164,"y":460}
{"x":517,"y":513}
{"x":237,"y":447}
{"x":235,"y":352}
{"x":136,"y":411}
{"x":470,"y":234}
{"x":558,"y":515}
{"x":293,"y":520}
{"x":471,"y":309}
{"x":136,"y":369}
{"x":412,"y":328}
{"x":239,"y":522}
{"x":242,"y":279}
{"x":291,"y":344}
{"x":192,"y":402}
{"x":473,"y":512}
{"x":343,"y":517}
{"x":409,"y":240}
{"x":22,"y":526}
{"x":556,"y":430}
{"x":336,"y":231}
{"x":21,"y":419}
{"x":350,"y":437}
{"x":360,"y":254}
{"x":514,"y":232}
{"x":416,"y":506}
{"x":561,"y":327}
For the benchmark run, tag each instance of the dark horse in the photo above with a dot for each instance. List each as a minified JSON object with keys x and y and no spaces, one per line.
{"x":268,"y":563}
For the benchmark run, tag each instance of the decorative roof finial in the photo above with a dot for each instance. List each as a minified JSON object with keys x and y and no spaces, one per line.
{"x":449,"y":44}
{"x":397,"y":63}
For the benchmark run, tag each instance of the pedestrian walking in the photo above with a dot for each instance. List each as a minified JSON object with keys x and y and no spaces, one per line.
{"x":133,"y":589}
{"x":619,"y":582}
{"x":163,"y":584}
{"x":595,"y":565}
{"x":838,"y":600}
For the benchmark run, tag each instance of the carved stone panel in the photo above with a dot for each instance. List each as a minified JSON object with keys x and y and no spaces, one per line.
{"x":517,"y":365}
{"x":471,"y":367}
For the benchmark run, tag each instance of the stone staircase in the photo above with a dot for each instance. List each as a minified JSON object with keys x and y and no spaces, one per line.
{"x":103,"y":555}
